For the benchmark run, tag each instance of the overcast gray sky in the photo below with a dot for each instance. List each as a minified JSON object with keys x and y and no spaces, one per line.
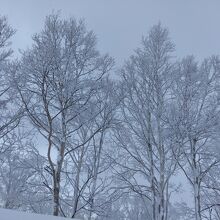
{"x":119,"y":24}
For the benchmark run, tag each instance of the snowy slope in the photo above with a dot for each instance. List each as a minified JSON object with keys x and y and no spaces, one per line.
{"x":6,"y":214}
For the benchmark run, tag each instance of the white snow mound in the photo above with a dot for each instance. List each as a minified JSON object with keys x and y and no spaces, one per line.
{"x":7,"y":214}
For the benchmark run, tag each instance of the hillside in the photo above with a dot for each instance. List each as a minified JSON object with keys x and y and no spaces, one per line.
{"x":6,"y":214}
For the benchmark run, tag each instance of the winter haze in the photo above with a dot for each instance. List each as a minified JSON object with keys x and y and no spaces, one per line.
{"x":110,"y":109}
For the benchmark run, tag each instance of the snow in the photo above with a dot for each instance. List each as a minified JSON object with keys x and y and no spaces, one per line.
{"x":7,"y":214}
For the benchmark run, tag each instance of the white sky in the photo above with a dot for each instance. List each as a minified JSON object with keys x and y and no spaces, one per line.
{"x":119,"y":24}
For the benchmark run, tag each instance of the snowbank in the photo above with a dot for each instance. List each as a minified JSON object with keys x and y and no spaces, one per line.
{"x":7,"y":214}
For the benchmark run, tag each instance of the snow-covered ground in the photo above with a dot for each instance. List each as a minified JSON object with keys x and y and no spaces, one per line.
{"x":6,"y":214}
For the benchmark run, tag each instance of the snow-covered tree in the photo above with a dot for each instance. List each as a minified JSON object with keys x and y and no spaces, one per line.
{"x":56,"y":79}
{"x":195,"y":120}
{"x":9,"y":116}
{"x":143,"y":135}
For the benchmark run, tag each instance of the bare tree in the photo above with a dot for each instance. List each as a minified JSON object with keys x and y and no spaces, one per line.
{"x":195,"y":116}
{"x":100,"y":163}
{"x":6,"y":32}
{"x":9,"y":116}
{"x":56,"y":80}
{"x":14,"y":173}
{"x":88,"y":167}
{"x":143,"y":136}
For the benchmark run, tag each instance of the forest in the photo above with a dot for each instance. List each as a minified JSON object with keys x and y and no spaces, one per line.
{"x":83,"y":139}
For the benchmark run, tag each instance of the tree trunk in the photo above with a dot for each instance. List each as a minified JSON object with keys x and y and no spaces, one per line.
{"x":197,"y":200}
{"x":56,"y":192}
{"x":76,"y":187}
{"x":57,"y":178}
{"x":196,"y":182}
